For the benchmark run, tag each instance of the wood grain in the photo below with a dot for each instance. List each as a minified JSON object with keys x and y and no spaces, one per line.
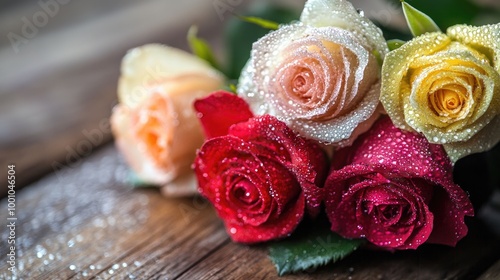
{"x":492,"y":273}
{"x":87,"y":221}
{"x":474,"y":254}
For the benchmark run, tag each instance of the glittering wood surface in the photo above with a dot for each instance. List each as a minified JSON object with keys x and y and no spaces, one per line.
{"x":87,"y":223}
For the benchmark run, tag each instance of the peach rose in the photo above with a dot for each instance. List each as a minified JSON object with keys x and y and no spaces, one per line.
{"x":320,"y":75}
{"x":155,"y":125}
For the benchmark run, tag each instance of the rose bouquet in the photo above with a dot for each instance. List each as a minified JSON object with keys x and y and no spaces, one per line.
{"x":328,"y":120}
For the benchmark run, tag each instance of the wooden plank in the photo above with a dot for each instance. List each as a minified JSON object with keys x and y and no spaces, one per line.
{"x":468,"y":260}
{"x":492,"y":273}
{"x":87,"y":222}
{"x":58,"y":137}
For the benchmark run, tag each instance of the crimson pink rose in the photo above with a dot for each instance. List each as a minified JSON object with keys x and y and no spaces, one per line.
{"x":261,"y":177}
{"x":396,"y":190}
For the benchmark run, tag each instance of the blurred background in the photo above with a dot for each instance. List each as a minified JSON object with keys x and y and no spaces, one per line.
{"x":60,"y":59}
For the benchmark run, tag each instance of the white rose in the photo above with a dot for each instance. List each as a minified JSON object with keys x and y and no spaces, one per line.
{"x":320,"y":75}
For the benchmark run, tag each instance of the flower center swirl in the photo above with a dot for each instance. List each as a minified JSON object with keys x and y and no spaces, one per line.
{"x":319,"y":80}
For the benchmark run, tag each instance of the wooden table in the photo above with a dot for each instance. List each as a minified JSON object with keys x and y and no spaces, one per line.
{"x":82,"y":220}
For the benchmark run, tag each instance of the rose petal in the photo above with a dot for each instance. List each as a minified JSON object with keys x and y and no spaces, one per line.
{"x":482,"y":37}
{"x":255,"y":181}
{"x":273,"y":229}
{"x":141,"y":162}
{"x":219,"y":111}
{"x":345,"y":197}
{"x":226,"y":156}
{"x":341,"y":13}
{"x":401,"y":155}
{"x":283,"y":183}
{"x":396,"y":65}
{"x":216,"y":156}
{"x":260,"y":177}
{"x":361,"y":87}
{"x":388,"y":149}
{"x":449,"y":226}
{"x":305,"y":158}
{"x":154,"y":63}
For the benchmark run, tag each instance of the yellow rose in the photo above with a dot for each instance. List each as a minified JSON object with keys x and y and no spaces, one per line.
{"x":320,"y":75}
{"x":447,"y":87}
{"x":155,"y":125}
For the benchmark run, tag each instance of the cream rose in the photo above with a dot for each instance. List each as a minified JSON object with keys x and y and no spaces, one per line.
{"x":155,"y":125}
{"x":320,"y":75}
{"x":447,"y":87}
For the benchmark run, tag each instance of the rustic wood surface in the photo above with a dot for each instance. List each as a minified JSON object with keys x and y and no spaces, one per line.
{"x":88,"y":223}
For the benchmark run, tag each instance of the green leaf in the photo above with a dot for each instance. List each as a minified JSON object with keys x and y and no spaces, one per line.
{"x":201,"y":48}
{"x":317,"y":247}
{"x":264,"y":23}
{"x":447,"y":12}
{"x":418,"y":22}
{"x":230,"y":86}
{"x":240,"y":35}
{"x":395,"y":44}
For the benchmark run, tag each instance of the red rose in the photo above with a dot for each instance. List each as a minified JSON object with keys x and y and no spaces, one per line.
{"x":261,"y":177}
{"x":396,"y":190}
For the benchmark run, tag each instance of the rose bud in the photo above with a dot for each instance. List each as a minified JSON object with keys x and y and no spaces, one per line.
{"x":154,"y":125}
{"x":395,"y":189}
{"x":260,"y":176}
